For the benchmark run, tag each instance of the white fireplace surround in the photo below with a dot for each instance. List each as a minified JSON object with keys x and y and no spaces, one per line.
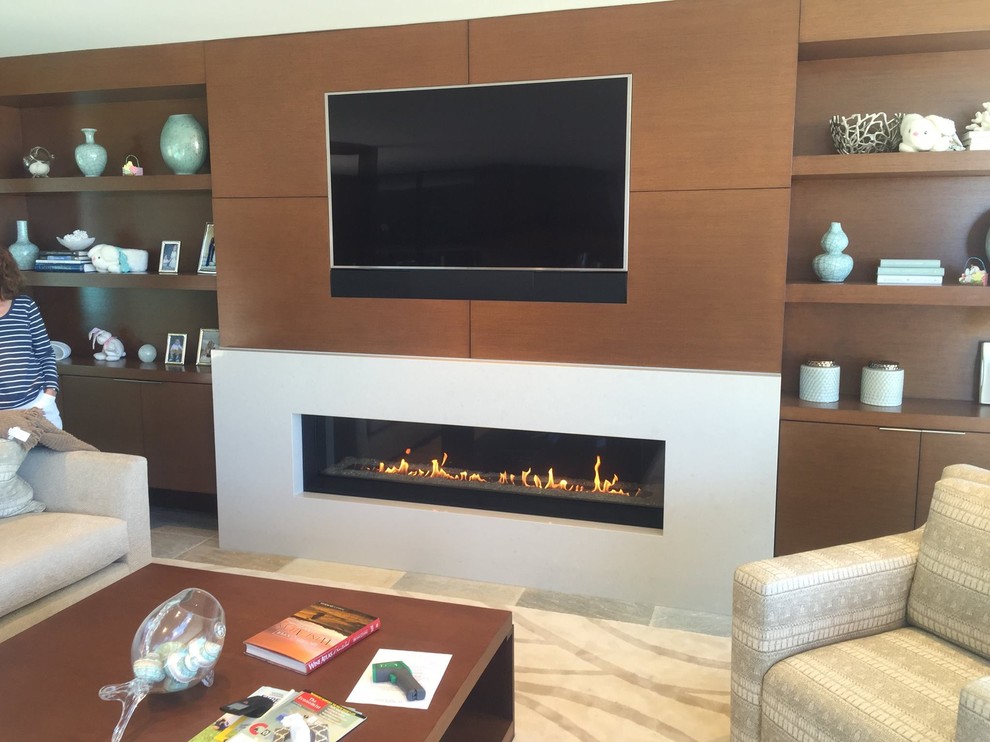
{"x":720,"y":430}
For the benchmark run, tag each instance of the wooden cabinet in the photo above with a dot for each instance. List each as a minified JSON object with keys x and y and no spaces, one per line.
{"x":161,"y":412}
{"x":839,"y":483}
{"x":168,"y":422}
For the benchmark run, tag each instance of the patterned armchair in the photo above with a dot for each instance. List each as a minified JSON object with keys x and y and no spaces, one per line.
{"x":877,"y":641}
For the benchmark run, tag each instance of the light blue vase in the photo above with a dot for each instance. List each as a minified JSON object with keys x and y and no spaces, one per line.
{"x":183,"y":144}
{"x":24,"y":251}
{"x":833,"y":266}
{"x":90,"y":156}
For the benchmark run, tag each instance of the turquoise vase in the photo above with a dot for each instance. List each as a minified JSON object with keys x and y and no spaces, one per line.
{"x":833,"y":266}
{"x":90,"y":156}
{"x":183,"y":144}
{"x":24,"y":251}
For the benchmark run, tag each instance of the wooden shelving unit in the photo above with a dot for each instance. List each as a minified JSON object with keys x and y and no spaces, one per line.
{"x":108,"y":184}
{"x":892,"y":165}
{"x":153,"y":281}
{"x":811,"y":292}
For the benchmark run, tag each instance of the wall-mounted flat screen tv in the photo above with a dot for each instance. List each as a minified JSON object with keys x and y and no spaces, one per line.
{"x":504,"y":191}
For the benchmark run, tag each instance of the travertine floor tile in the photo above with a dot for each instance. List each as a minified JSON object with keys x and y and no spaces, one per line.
{"x":172,"y":544}
{"x":589,"y":606}
{"x":712,"y":624}
{"x":483,"y":592}
{"x":370,"y":577}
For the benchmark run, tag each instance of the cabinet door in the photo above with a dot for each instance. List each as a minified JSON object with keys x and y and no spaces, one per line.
{"x":842,"y":483}
{"x":105,"y":413}
{"x":941,"y":449}
{"x":178,"y":433}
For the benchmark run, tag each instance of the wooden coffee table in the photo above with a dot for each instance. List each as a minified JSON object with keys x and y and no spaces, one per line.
{"x":51,"y":673}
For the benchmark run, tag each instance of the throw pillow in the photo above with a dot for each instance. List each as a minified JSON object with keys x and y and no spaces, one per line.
{"x":15,"y":494}
{"x":950,"y":594}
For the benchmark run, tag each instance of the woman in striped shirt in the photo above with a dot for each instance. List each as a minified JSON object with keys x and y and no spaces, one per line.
{"x":27,"y":361}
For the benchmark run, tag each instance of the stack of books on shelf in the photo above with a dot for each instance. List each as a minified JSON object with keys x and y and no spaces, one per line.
{"x":910,"y":272}
{"x":77,"y":261}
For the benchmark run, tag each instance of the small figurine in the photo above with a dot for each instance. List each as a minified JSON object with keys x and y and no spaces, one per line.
{"x":981,"y":121}
{"x":974,"y":275}
{"x":112,"y":348}
{"x":928,"y":134}
{"x":113,"y":259}
{"x":132,"y":166}
{"x":38,"y":162}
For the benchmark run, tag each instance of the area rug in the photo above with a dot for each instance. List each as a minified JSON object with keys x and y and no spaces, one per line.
{"x":590,"y":680}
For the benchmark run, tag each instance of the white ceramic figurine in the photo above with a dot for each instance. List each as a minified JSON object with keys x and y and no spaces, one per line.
{"x":112,"y":348}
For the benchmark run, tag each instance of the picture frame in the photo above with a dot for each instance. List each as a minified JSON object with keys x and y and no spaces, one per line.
{"x":175,"y":349}
{"x":168,"y":260}
{"x":207,"y":253}
{"x":208,"y":340}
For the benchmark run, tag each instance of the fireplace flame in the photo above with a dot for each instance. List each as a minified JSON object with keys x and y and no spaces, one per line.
{"x":526,"y":478}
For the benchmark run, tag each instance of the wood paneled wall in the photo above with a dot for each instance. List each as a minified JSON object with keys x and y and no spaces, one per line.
{"x":708,"y":213}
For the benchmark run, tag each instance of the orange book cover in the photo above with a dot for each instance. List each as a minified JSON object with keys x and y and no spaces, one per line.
{"x":311,"y":636}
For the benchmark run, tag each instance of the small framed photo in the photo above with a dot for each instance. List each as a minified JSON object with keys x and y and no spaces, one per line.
{"x":169,"y":260}
{"x":208,"y":253}
{"x":208,"y":340}
{"x":175,"y":349}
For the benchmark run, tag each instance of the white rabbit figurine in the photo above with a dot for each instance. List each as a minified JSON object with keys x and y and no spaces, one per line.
{"x":113,"y":349}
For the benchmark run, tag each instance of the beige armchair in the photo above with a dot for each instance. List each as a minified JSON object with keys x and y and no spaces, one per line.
{"x":887,"y":639}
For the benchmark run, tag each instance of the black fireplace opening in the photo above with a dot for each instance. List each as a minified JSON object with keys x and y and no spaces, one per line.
{"x":596,"y":478}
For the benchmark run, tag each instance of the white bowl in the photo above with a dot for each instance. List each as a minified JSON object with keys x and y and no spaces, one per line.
{"x":74,"y":242}
{"x":62,"y":351}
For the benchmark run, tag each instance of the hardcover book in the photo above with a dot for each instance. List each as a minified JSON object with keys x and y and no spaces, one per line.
{"x":910,"y":262}
{"x":894,"y":271}
{"x":311,"y":636}
{"x":909,"y":280}
{"x":64,"y":266}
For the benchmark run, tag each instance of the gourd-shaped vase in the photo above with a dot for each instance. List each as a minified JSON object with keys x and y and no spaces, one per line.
{"x":24,"y":251}
{"x":833,"y":265}
{"x":90,"y":156}
{"x":183,"y":144}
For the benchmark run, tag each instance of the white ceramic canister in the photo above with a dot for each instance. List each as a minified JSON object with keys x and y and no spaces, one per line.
{"x":819,"y":381}
{"x":882,"y":384}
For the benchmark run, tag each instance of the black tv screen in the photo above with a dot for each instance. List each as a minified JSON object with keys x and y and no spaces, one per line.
{"x":515,"y":191}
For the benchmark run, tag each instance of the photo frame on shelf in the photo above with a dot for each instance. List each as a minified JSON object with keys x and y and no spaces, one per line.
{"x":175,"y":349}
{"x":168,"y":261}
{"x":207,"y":253}
{"x":208,"y":340}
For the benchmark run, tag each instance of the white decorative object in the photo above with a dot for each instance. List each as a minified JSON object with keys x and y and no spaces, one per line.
{"x":147,"y":353}
{"x":882,"y":384}
{"x":111,"y":259}
{"x":928,"y":134}
{"x":819,"y":381}
{"x":865,"y":133}
{"x":77,"y":240}
{"x":112,"y":348}
{"x":62,"y":351}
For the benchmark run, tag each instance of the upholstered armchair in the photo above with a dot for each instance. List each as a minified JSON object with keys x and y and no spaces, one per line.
{"x":881,"y":640}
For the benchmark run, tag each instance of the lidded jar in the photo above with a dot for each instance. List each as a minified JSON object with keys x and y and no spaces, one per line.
{"x":819,"y":381}
{"x":882,"y":384}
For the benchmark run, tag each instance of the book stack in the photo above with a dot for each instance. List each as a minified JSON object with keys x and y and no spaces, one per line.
{"x":77,"y":261}
{"x":977,"y":140}
{"x":910,"y":272}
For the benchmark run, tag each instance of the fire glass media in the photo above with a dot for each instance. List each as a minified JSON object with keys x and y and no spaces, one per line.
{"x":585,"y":477}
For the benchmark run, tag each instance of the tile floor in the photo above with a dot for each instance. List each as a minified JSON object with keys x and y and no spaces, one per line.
{"x":192,"y":536}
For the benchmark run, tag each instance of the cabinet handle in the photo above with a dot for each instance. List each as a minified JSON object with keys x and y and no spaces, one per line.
{"x":902,"y":430}
{"x":138,"y":381}
{"x":945,"y":432}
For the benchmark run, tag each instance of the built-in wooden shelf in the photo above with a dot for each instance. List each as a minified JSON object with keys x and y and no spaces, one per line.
{"x":816,"y":292}
{"x":809,"y":50}
{"x":108,"y":183}
{"x":891,"y":165}
{"x":916,"y":414}
{"x":164,"y":282}
{"x":82,"y":363}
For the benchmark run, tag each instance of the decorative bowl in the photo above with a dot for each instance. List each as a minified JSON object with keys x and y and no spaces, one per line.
{"x":62,"y":351}
{"x":866,"y":133}
{"x":78,"y":240}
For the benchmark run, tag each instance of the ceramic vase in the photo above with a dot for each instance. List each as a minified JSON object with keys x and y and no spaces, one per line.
{"x":90,"y":156}
{"x":24,"y":251}
{"x":183,"y":144}
{"x":833,"y":265}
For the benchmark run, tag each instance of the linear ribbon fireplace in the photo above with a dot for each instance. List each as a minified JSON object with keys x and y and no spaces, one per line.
{"x":601,"y":479}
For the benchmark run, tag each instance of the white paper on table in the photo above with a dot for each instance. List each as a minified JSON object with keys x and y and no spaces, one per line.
{"x":427,"y":667}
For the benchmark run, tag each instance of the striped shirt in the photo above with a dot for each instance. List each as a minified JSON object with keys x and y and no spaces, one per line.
{"x":27,"y":360}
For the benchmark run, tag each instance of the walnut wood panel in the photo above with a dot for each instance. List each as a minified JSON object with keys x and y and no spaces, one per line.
{"x":951,"y":84}
{"x":267,"y":105}
{"x":914,"y":412}
{"x":131,"y":128}
{"x":178,"y":435}
{"x":944,"y":218}
{"x":105,"y":413}
{"x":825,"y":20}
{"x":842,"y":483}
{"x":939,"y":450}
{"x":103,"y":69}
{"x":937,"y":346}
{"x":705,"y":291}
{"x":692,"y":64}
{"x":136,"y":316}
{"x":273,"y":286}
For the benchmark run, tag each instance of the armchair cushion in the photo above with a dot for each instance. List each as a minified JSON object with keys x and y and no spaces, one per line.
{"x":950,"y":594}
{"x":899,"y":685}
